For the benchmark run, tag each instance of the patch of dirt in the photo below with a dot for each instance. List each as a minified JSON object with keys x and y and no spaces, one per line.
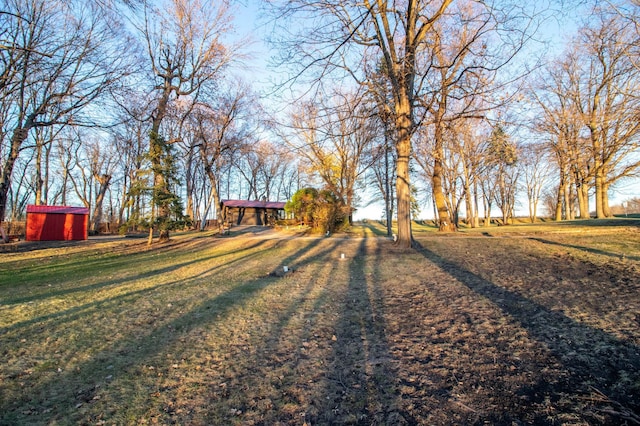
{"x":516,"y":332}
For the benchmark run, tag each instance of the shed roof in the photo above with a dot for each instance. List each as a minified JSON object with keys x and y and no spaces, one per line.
{"x":32,"y":208}
{"x":253,"y":204}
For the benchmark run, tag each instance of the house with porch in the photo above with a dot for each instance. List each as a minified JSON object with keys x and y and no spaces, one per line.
{"x":247,"y":212}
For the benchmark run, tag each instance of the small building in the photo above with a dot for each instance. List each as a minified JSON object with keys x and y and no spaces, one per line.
{"x":246,"y":212}
{"x":56,"y":223}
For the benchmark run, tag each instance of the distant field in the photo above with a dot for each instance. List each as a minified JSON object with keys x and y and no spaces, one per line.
{"x":521,"y":324}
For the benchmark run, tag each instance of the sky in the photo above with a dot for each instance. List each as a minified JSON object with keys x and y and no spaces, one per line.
{"x":248,"y":23}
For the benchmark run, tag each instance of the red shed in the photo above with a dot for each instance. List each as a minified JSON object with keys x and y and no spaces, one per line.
{"x":48,"y":223}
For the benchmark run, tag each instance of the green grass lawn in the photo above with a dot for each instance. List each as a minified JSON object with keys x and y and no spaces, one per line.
{"x":84,"y":329}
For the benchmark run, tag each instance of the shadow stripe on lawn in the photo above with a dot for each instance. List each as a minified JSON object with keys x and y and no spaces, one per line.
{"x":565,"y":339}
{"x":54,"y":398}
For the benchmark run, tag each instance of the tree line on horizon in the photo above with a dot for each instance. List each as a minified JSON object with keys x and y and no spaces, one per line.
{"x":136,"y":109}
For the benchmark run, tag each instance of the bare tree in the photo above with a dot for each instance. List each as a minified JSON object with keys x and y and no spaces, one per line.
{"x":130,"y":140}
{"x":605,"y":93}
{"x":350,"y":37}
{"x":502,"y":157}
{"x":44,"y":137}
{"x":102,"y":162}
{"x":265,"y":167}
{"x":629,"y":10}
{"x":535,"y":171}
{"x":561,"y":126}
{"x":185,"y":54}
{"x":335,"y":137}
{"x":383,"y":163}
{"x":248,"y":164}
{"x":395,"y":32}
{"x":383,"y":168}
{"x":462,"y":159}
{"x":192,"y":173}
{"x":471,"y":146}
{"x":56,"y":64}
{"x":21,"y":189}
{"x":588,"y":102}
{"x":221,"y":130}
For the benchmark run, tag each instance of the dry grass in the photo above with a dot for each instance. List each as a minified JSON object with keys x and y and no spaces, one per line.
{"x":526,"y":329}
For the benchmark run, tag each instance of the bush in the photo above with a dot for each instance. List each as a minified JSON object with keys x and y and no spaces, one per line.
{"x":322,"y":210}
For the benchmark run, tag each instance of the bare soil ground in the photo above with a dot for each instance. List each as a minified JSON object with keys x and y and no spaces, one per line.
{"x":509,"y":330}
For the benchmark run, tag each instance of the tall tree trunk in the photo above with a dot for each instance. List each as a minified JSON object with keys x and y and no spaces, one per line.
{"x":582,"y":213}
{"x":19,"y":136}
{"x":605,"y":200}
{"x":532,"y":211}
{"x":469,"y":209}
{"x":444,"y":221}
{"x":403,"y":194}
{"x":387,"y":197}
{"x":504,"y":204}
{"x":214,"y":200}
{"x":487,"y":198}
{"x":65,"y":181}
{"x":585,"y":213}
{"x":598,"y":166}
{"x":190,"y":210}
{"x":403,"y":188}
{"x":468,"y":201}
{"x":599,"y":186}
{"x":96,"y":217}
{"x":568,"y":205}
{"x":582,"y":191}
{"x":47,"y":168}
{"x":124,"y":200}
{"x":476,"y":205}
{"x":214,"y":195}
{"x":39,"y":180}
{"x":560,"y":197}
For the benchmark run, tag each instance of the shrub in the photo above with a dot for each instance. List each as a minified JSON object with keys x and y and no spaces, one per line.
{"x":322,"y":210}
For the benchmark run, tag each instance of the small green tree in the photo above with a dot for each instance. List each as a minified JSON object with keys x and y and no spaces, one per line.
{"x":167,"y":207}
{"x":330,"y":212}
{"x":302,"y":204}
{"x":415,"y":202}
{"x":322,"y":210}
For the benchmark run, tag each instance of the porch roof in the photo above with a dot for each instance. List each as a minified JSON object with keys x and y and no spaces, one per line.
{"x":253,"y":204}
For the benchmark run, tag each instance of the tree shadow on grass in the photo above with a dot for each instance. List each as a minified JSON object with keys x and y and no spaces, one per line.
{"x":377,"y":229}
{"x":56,"y":395}
{"x":586,"y":249}
{"x":71,"y":314}
{"x":274,"y":381}
{"x":615,"y":221}
{"x":81,"y":268}
{"x":594,"y":359}
{"x":361,"y":383}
